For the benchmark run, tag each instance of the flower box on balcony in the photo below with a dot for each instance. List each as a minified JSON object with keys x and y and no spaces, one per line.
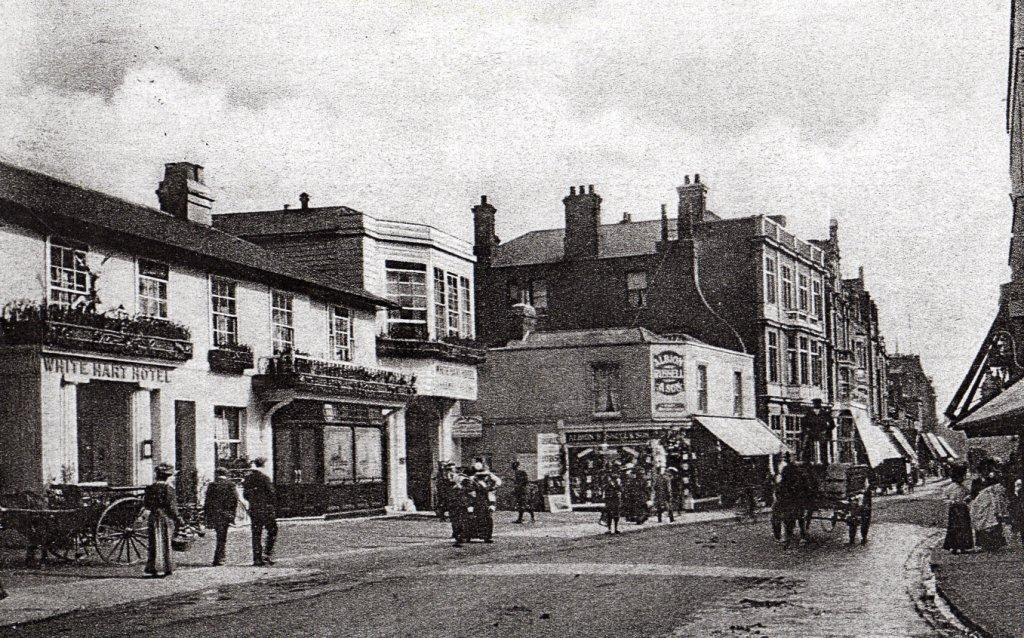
{"x":230,"y":359}
{"x":77,"y":330}
{"x":331,"y":379}
{"x":457,"y":351}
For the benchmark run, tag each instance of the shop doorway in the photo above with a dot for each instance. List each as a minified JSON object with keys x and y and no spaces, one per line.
{"x":105,"y":432}
{"x":187,"y":480}
{"x":421,"y":424}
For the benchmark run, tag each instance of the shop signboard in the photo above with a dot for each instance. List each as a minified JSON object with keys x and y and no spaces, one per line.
{"x":668,"y":388}
{"x":468,"y":427}
{"x":449,"y":380}
{"x":639,"y":436}
{"x":549,"y":455}
{"x":106,"y":370}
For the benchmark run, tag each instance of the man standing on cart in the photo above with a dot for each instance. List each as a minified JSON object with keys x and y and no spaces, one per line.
{"x":816,"y":433}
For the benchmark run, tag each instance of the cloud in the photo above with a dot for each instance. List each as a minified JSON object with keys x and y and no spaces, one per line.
{"x":885,"y":114}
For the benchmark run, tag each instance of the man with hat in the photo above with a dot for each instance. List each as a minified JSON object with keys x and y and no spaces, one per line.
{"x":817,"y":426}
{"x":219,"y":507}
{"x":258,"y":489}
{"x":160,"y":500}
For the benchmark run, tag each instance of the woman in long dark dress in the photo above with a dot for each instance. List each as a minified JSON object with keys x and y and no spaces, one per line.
{"x":959,"y":532}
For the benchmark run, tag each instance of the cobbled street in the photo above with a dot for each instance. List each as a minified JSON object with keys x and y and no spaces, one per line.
{"x":706,"y":579}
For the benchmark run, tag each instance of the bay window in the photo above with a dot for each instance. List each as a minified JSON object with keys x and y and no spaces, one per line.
{"x":407,"y":286}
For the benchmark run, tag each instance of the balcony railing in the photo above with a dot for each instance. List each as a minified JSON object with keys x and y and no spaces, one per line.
{"x":230,"y":359}
{"x":463,"y":351}
{"x":77,"y":330}
{"x":331,"y":379}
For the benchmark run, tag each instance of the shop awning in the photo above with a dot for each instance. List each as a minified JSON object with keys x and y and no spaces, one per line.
{"x":748,"y":437}
{"x":876,"y":442}
{"x":950,"y":452}
{"x":903,"y":444}
{"x":1003,"y":414}
{"x":934,"y":448}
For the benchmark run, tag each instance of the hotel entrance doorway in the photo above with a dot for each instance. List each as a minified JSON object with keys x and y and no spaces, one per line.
{"x":105,"y":432}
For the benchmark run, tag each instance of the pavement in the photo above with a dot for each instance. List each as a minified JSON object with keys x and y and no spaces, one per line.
{"x":985,"y":590}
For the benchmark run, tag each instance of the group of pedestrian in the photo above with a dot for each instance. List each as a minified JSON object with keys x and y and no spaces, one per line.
{"x":978,"y":508}
{"x":221,"y":508}
{"x":471,"y":501}
{"x":634,"y":492}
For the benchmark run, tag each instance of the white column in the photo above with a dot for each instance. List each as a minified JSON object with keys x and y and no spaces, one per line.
{"x":69,"y":431}
{"x":445,"y":443}
{"x":398,"y":495}
{"x":141,"y":430}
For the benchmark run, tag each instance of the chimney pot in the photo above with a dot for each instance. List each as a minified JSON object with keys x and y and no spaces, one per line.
{"x":572,"y":190}
{"x":287,"y":206}
{"x":590,"y":189}
{"x":304,"y":200}
{"x":696,"y":178}
{"x":483,"y":199}
{"x":686,"y":179}
{"x":184,"y":194}
{"x":582,"y":190}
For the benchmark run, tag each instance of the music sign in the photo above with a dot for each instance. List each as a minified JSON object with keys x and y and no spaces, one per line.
{"x":668,"y":383}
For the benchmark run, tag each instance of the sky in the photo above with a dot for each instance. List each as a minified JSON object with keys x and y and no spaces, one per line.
{"x":888,"y":115}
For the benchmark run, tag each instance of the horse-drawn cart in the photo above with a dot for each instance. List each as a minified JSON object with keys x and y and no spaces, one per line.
{"x":830,"y":493}
{"x":74,"y":521}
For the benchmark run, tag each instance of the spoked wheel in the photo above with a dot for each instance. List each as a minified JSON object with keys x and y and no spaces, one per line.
{"x":121,"y":536}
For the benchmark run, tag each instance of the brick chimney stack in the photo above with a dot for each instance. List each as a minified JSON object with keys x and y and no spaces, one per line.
{"x":184,"y":194}
{"x":582,"y":223}
{"x":484,"y":238}
{"x":692,"y":204}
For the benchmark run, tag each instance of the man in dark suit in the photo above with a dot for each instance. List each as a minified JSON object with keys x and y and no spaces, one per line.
{"x":817,"y":427}
{"x":258,"y":489}
{"x":219,"y":507}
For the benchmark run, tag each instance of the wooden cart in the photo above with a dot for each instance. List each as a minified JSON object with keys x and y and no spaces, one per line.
{"x":834,"y":493}
{"x":73,"y":522}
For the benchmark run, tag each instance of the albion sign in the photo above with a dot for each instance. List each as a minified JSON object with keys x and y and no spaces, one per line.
{"x":107,"y":371}
{"x":668,"y":399}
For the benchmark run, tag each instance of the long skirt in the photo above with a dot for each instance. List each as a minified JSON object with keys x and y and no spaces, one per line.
{"x":990,"y":539}
{"x":959,"y":534}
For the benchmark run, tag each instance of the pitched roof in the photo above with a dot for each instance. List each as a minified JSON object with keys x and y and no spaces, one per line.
{"x":289,"y":220}
{"x":593,"y":337}
{"x":621,"y":239}
{"x":55,"y":204}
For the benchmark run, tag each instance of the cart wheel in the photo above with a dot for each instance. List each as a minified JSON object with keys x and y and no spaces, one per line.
{"x":121,"y":535}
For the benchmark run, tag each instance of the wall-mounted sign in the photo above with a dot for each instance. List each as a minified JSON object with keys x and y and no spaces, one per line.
{"x":549,"y":455}
{"x":668,"y":386}
{"x":107,"y":371}
{"x":468,"y":427}
{"x":614,"y":437}
{"x":449,"y":380}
